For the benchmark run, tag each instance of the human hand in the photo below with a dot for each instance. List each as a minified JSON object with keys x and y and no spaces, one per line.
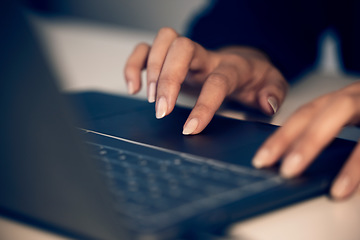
{"x":309,"y":130}
{"x":240,"y":73}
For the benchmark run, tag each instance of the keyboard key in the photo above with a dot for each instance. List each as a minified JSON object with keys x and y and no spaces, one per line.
{"x":147,"y":185}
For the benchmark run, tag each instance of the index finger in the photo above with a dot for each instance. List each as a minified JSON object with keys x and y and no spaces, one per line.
{"x":216,"y":87}
{"x":173,"y":73}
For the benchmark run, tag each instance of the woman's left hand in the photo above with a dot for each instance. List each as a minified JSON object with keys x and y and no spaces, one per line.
{"x":309,"y":130}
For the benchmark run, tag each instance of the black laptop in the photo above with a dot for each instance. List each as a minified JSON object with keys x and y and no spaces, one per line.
{"x":97,"y":166}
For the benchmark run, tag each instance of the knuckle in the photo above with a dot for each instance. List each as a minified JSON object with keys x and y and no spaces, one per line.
{"x":184,"y":43}
{"x":346,"y":101}
{"x":171,"y":80}
{"x":349,"y":104}
{"x":281,"y":87}
{"x":237,"y":59}
{"x":217,"y":79}
{"x":242,"y":62}
{"x":280,"y":138}
{"x":317,"y":140}
{"x":240,"y":66}
{"x":281,"y":82}
{"x":130,"y":70}
{"x":167,"y":31}
{"x":203,"y":109}
{"x":154,"y":66}
{"x":222,"y":82}
{"x":142,"y":46}
{"x":306,"y":109}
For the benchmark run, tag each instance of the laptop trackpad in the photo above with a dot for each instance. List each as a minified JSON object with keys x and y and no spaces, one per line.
{"x":227,"y":139}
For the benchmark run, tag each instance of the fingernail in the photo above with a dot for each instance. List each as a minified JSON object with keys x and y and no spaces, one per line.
{"x":151,"y":92}
{"x":291,"y":165}
{"x":261,"y":158}
{"x":190,"y":126}
{"x":273,"y":103}
{"x":341,"y":187}
{"x":130,"y":87}
{"x":161,"y":108}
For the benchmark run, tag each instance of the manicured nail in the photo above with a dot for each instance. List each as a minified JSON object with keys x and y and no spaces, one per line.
{"x":341,"y":187}
{"x":291,"y":165}
{"x":260,"y":158}
{"x":161,"y":108}
{"x":273,"y":104}
{"x":130,"y":87}
{"x":190,"y":126}
{"x":151,"y":92}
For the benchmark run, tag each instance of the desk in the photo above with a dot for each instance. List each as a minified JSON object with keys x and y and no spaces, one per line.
{"x":89,"y":56}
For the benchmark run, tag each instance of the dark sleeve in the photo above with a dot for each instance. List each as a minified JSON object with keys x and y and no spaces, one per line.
{"x":287,"y":31}
{"x":346,"y":20}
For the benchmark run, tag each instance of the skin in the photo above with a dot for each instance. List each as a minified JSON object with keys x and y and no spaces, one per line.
{"x":239,"y":73}
{"x":309,"y":130}
{"x":246,"y":75}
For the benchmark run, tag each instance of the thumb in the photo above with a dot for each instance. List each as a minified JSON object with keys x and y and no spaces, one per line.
{"x":272,"y":94}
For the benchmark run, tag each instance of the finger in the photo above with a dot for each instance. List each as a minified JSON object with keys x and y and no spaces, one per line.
{"x":348,"y":179}
{"x":215,"y":89}
{"x":322,"y":129}
{"x":173,"y":73}
{"x":278,"y":143}
{"x":273,"y":93}
{"x":134,"y":65}
{"x":156,"y":59}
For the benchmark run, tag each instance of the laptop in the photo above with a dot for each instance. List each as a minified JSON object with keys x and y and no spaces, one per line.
{"x":91,"y":165}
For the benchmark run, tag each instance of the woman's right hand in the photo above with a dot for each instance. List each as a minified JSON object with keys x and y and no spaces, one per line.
{"x":241,"y":73}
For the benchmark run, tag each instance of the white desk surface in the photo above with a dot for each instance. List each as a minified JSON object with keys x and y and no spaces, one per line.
{"x":89,"y":56}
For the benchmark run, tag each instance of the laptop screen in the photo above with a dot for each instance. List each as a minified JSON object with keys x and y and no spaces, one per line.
{"x":43,"y":164}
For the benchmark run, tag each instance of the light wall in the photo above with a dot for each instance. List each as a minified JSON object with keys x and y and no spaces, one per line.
{"x":143,"y":14}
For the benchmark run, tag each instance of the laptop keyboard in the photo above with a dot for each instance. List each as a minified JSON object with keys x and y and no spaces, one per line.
{"x":157,"y":191}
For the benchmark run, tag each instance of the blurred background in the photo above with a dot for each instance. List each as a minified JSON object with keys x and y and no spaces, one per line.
{"x":88,"y":41}
{"x":139,"y":14}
